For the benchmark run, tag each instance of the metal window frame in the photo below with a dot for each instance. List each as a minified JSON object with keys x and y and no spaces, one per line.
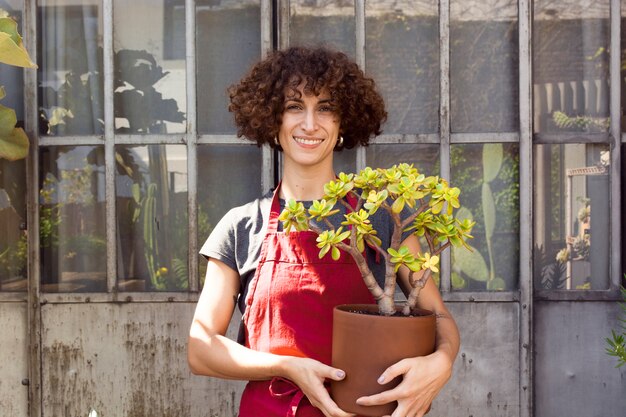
{"x":613,"y":138}
{"x":525,"y":137}
{"x":109,"y":139}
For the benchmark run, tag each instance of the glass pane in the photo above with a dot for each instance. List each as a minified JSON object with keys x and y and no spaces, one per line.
{"x":70,"y":68}
{"x":488,"y":176}
{"x":13,"y":243}
{"x":345,"y":160}
{"x":323,"y":22}
{"x":221,"y":173}
{"x":424,"y":157}
{"x":13,"y":238}
{"x":149,"y":66}
{"x":484,"y":66}
{"x":72,"y":219}
{"x":571,"y":66}
{"x":402,"y":55}
{"x":571,"y":212}
{"x":228,"y":38}
{"x":152,"y":221}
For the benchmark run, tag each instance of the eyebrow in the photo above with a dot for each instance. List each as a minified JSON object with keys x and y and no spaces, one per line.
{"x":299,"y":100}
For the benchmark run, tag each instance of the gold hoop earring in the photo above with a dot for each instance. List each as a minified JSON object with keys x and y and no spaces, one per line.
{"x":340,"y":142}
{"x":276,"y":142}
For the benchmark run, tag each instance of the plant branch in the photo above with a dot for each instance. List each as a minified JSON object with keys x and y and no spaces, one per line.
{"x":416,"y":287}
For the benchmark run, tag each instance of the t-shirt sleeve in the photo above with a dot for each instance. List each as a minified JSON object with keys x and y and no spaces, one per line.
{"x":221,"y":242}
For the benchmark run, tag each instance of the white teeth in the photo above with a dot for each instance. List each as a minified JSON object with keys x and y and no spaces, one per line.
{"x":307,"y":141}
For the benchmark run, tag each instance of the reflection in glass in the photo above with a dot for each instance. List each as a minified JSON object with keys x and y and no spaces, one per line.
{"x":345,"y":160}
{"x":488,"y":176}
{"x":72,"y":231}
{"x":13,"y":238}
{"x":402,"y":49}
{"x":323,"y":22}
{"x":571,"y":212}
{"x":424,"y":157}
{"x":70,"y":68}
{"x":226,"y":179}
{"x":228,"y":39}
{"x":152,"y":221}
{"x":149,"y":77}
{"x":571,"y":66}
{"x":484,"y":66}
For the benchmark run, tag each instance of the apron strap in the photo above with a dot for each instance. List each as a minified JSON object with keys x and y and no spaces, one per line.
{"x":281,"y":387}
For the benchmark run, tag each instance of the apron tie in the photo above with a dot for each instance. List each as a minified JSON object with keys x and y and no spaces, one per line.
{"x":281,"y":387}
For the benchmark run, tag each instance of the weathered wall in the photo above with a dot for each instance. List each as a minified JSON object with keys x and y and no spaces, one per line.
{"x":125,"y":360}
{"x":485,"y":381}
{"x":13,"y":359}
{"x":573,"y":375}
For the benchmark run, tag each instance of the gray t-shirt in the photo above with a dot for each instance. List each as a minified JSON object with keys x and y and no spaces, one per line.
{"x":236,"y":240}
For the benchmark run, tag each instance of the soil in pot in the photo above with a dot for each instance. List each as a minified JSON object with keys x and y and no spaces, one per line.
{"x":365,"y":344}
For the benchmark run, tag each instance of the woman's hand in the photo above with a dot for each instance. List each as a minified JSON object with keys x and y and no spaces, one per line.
{"x":309,"y":375}
{"x":423,"y":378}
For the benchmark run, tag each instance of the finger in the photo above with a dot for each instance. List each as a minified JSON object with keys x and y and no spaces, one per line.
{"x":378,"y":399}
{"x":393,"y":371}
{"x":336,"y":374}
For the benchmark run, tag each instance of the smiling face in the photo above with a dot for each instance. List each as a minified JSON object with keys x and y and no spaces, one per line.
{"x":309,"y":130}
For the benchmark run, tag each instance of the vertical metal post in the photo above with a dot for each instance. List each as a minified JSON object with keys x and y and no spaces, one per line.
{"x":267,"y":173}
{"x":191,"y":139}
{"x":616,"y":134}
{"x":444,"y":117}
{"x":359,"y":16}
{"x":109,"y":144}
{"x":284,"y":9}
{"x":32,"y":215}
{"x":526,"y":205}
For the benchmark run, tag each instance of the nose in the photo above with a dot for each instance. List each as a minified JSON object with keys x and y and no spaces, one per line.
{"x":309,"y":121}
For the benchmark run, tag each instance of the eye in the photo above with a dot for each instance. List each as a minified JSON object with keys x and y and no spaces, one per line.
{"x":293,"y":107}
{"x":327,"y":109}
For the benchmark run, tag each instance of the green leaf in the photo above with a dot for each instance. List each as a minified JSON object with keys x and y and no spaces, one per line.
{"x":12,"y":52}
{"x":15,"y":145}
{"x":496,"y":284}
{"x":335,"y":253}
{"x":489,"y":211}
{"x":457,"y":281}
{"x":136,"y":193}
{"x":471,"y":263}
{"x":2,"y":92}
{"x":492,"y":160}
{"x":464,"y":213}
{"x":324,"y":250}
{"x":398,"y":205}
{"x":8,"y":120}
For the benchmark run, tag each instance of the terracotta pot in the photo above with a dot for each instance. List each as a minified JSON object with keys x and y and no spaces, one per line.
{"x":364,"y":345}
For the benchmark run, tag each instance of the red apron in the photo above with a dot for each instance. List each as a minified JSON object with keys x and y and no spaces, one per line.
{"x":289,"y":311}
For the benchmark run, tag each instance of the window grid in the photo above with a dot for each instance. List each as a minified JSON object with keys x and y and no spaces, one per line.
{"x":445,"y":139}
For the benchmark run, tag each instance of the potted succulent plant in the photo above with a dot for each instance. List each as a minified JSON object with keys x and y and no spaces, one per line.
{"x":418,"y":203}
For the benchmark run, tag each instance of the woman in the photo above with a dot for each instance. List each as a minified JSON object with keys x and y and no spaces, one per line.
{"x":308,"y":103}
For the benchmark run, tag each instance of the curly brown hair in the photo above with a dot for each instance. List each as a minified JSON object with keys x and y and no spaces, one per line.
{"x":257,"y":101}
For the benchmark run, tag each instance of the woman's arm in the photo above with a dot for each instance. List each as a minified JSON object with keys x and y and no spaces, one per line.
{"x":423,"y":377}
{"x":211,"y":353}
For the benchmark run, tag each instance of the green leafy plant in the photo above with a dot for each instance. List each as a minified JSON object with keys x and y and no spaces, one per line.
{"x":616,"y":344}
{"x":415,"y":202}
{"x":472,"y":264}
{"x":13,"y":140}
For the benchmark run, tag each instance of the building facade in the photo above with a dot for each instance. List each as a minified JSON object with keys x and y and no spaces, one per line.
{"x":134,"y":158}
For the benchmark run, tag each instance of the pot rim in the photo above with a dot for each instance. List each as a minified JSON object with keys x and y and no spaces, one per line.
{"x":348,"y":309}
